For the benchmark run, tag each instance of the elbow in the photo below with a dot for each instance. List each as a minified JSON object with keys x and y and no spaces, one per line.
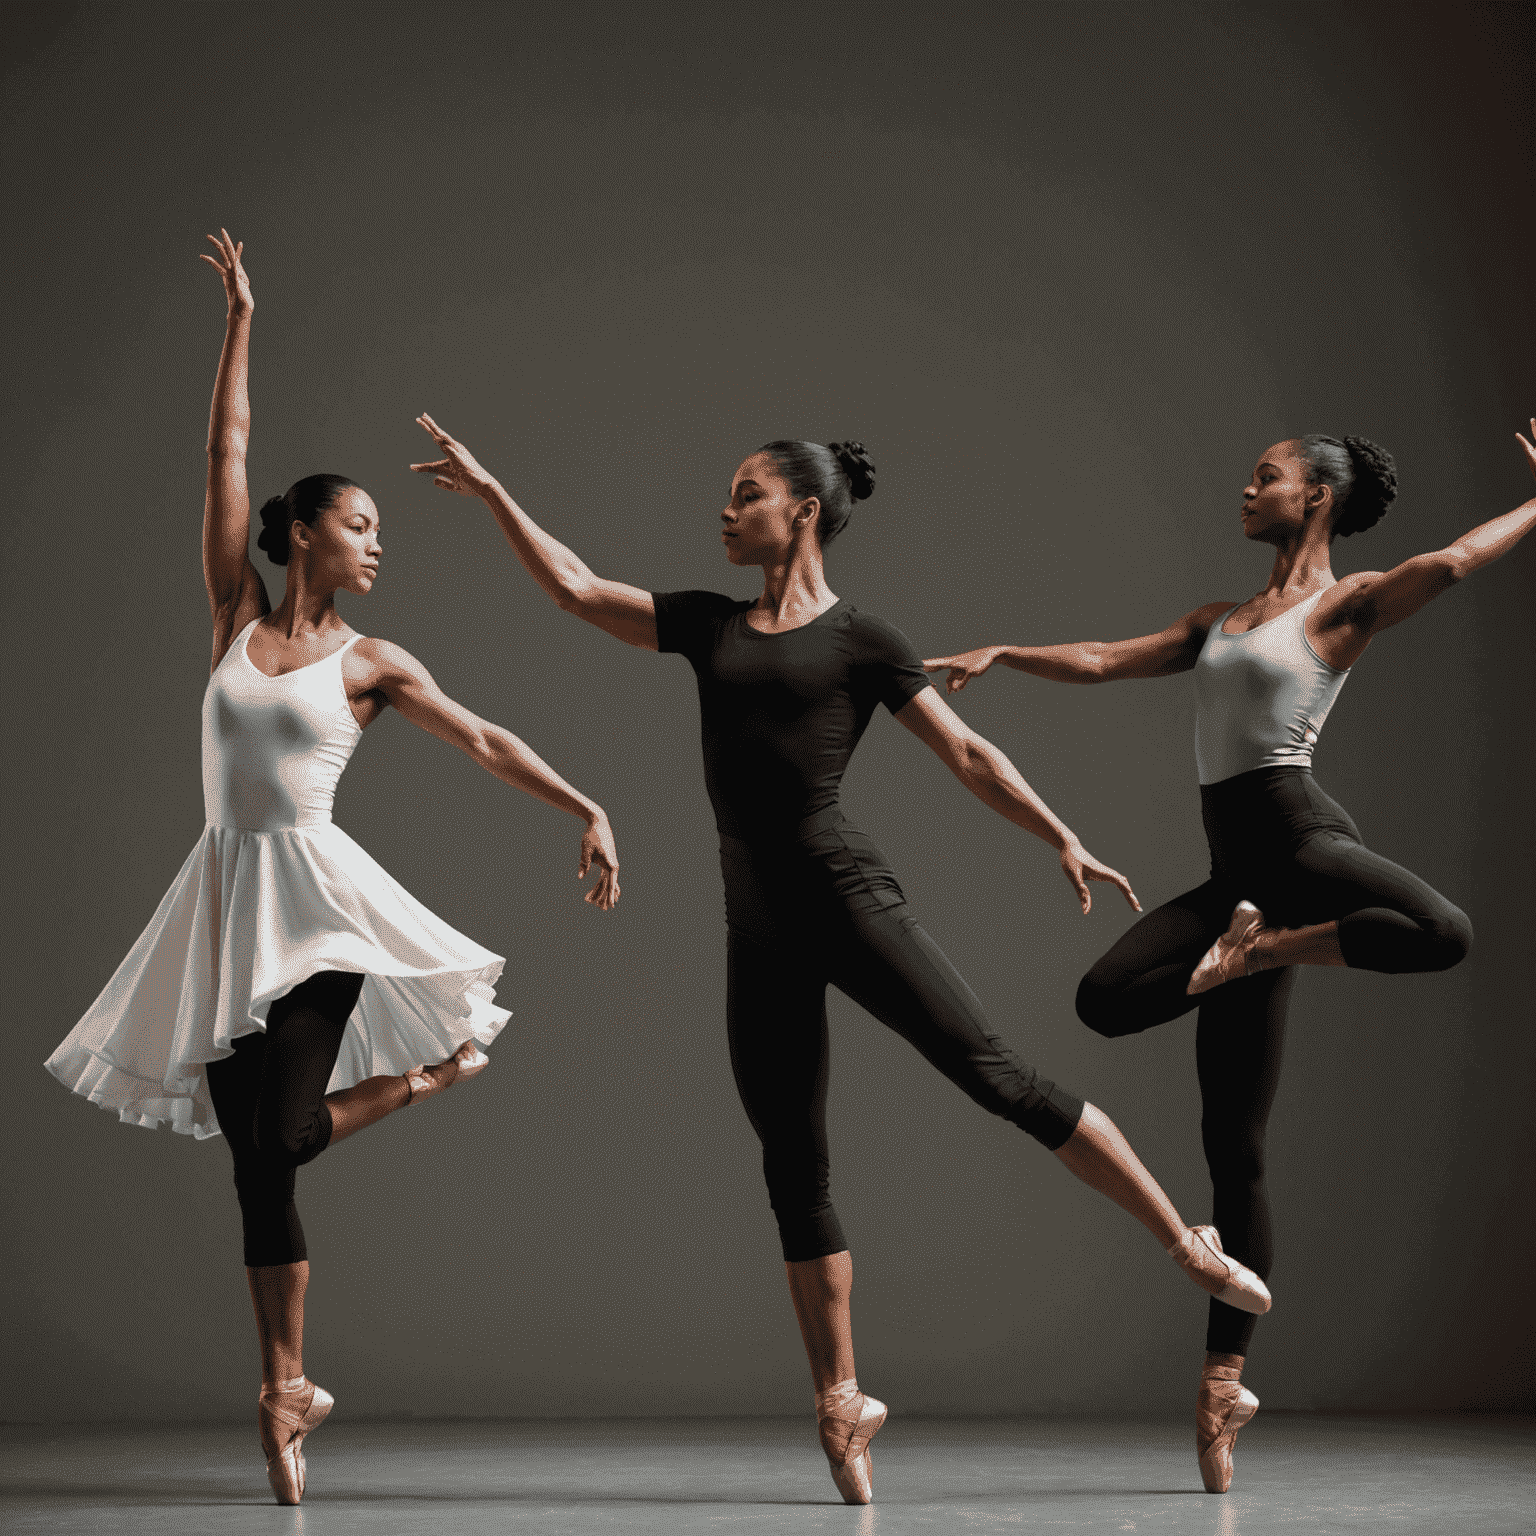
{"x":228,"y":445}
{"x":572,"y":595}
{"x":1092,"y":665}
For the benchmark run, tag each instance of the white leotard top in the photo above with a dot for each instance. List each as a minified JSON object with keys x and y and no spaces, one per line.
{"x":274,"y":747}
{"x":1261,"y":697}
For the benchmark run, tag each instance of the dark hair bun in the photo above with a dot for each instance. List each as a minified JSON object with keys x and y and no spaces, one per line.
{"x":856,"y":465}
{"x":1375,"y":486}
{"x":276,"y":520}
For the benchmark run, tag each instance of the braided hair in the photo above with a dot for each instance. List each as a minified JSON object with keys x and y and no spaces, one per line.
{"x":836,"y":474}
{"x":303,"y":502}
{"x":1362,"y":473}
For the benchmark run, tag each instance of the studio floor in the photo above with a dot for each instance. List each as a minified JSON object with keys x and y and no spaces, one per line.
{"x":1296,"y":1473}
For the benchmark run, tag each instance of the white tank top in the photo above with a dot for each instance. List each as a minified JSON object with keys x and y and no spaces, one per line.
{"x":1261,"y":697}
{"x":274,"y":747}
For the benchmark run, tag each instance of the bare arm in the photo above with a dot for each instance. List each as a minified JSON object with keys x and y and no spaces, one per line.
{"x":992,"y":778}
{"x":236,"y":593}
{"x":378,"y":667}
{"x":1363,"y":605}
{"x":627,"y":613}
{"x":1092,"y":661}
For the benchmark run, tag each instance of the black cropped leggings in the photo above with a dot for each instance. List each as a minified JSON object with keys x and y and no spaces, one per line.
{"x":270,"y":1100}
{"x":824,"y":908}
{"x":1277,"y":840}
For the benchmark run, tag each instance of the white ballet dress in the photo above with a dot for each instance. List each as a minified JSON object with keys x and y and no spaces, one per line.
{"x":274,"y":892}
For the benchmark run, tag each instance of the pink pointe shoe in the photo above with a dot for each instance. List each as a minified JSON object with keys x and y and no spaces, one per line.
{"x":1222,"y":1408}
{"x":848,"y":1420}
{"x":1235,"y":954}
{"x":1199,"y":1254}
{"x":278,"y":1408}
{"x":424,"y":1082}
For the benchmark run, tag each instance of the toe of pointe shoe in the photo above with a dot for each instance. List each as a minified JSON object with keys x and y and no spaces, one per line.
{"x":855,"y":1480}
{"x":1216,"y":1458}
{"x":1215,"y":965}
{"x":285,"y":1472}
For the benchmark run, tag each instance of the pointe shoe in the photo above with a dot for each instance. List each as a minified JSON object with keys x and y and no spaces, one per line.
{"x":1234,"y":955}
{"x":1222,"y":1408}
{"x":422,"y":1082}
{"x":846,"y":1428}
{"x":286,"y":1471}
{"x":1199,"y":1254}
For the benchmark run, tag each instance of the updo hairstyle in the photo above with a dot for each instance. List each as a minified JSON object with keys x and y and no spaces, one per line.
{"x":836,"y":474}
{"x":1362,"y":473}
{"x":304,"y":500}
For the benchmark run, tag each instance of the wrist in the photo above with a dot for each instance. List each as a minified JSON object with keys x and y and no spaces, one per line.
{"x":594,"y":815}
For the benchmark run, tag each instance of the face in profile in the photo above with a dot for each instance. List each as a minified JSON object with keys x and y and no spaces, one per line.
{"x":759,"y":520}
{"x":1277,"y":498}
{"x":342,"y":547}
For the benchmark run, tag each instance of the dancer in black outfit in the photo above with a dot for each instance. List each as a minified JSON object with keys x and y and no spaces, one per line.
{"x":787,"y":685}
{"x":1291,"y":882}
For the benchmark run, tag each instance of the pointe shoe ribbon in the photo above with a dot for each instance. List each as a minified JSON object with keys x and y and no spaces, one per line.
{"x":286,"y":1471}
{"x":1198,"y":1252}
{"x":1222,"y":1408}
{"x":423,"y":1083}
{"x":847,"y":1420}
{"x":1234,"y":955}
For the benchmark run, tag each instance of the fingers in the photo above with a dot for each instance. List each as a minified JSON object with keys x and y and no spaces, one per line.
{"x":958,"y":679}
{"x":221,"y":269}
{"x":586,"y":863}
{"x":429,"y":469}
{"x":431,"y":426}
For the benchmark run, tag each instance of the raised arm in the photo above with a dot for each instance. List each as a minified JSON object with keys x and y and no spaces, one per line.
{"x":1368,"y":602}
{"x":236,"y":594}
{"x":627,"y":613}
{"x":992,"y":778}
{"x":386,"y":674}
{"x":1092,"y":661}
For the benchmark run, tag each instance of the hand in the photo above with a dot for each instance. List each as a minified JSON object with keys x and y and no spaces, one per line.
{"x":597,"y":847}
{"x":1080,"y":866}
{"x":964,"y":667}
{"x":458,"y":472}
{"x":1529,"y":445}
{"x":237,"y":286}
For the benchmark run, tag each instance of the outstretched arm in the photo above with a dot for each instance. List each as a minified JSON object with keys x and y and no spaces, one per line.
{"x":236,"y":593}
{"x":1367,"y":603}
{"x":988,"y":774}
{"x":627,"y":613}
{"x":395,"y":677}
{"x":1092,"y":661}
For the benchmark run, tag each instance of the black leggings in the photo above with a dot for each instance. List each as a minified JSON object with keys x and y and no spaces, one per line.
{"x":270,"y":1100}
{"x":822,"y":906}
{"x":1279,"y":841}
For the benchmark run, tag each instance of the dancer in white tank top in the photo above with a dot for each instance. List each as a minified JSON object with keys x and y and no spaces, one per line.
{"x":287,"y":991}
{"x":1292,"y":882}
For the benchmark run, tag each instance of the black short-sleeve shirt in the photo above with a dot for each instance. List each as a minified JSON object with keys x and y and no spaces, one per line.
{"x":781,"y":714}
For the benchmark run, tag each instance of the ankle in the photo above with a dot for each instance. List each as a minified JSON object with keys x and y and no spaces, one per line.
{"x":278,"y":1388}
{"x":1221,"y":1367}
{"x":838,"y":1395}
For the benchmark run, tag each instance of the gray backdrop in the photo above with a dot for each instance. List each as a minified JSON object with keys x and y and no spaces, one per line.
{"x":1066,"y":270}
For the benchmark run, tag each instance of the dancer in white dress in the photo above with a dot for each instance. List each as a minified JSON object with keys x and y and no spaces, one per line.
{"x":288,"y":992}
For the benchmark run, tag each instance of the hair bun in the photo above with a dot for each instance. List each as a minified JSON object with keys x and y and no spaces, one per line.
{"x":276,"y":519}
{"x":856,"y":465}
{"x":1375,"y":486}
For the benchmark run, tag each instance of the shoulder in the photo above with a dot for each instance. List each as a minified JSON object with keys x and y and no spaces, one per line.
{"x":380,"y":661}
{"x":1347,"y":601}
{"x":697,"y":604}
{"x":1198,"y":621}
{"x":875,"y":634}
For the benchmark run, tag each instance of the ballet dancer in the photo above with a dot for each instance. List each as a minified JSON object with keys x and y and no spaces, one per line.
{"x":1291,"y":881}
{"x":787,"y":685}
{"x":283,"y":959}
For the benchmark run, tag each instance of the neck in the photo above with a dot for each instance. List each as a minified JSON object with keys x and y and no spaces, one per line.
{"x":796,"y":589}
{"x":1303,"y":564}
{"x":304,"y":609}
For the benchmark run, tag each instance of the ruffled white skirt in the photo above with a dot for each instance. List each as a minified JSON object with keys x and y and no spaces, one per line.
{"x":250,"y":916}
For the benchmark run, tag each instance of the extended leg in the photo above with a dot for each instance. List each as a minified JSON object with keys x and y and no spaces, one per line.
{"x":893,"y":969}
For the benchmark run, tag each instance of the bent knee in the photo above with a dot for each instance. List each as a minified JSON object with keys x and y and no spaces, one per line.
{"x":1101,"y":1006}
{"x":287,"y":1142}
{"x":1449,"y":939}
